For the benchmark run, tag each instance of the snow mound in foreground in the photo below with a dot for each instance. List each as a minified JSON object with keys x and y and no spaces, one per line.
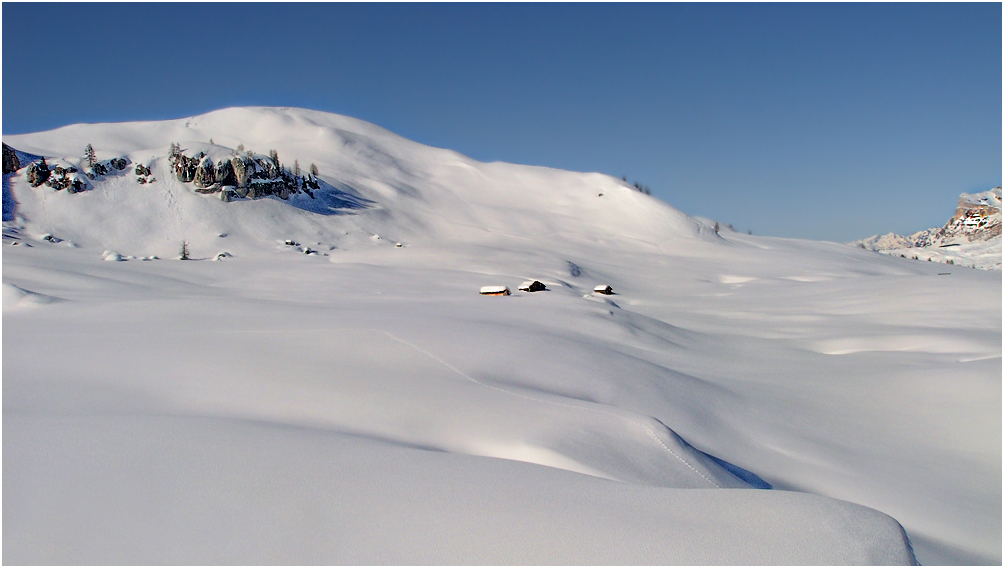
{"x":15,"y":297}
{"x":366,"y":501}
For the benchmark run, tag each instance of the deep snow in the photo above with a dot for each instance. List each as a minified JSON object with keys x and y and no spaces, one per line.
{"x":366,"y":404}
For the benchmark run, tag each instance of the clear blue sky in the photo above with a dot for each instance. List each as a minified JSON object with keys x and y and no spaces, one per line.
{"x":822,"y":121}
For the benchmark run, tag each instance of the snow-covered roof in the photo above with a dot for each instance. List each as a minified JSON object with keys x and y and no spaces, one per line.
{"x":494,"y":289}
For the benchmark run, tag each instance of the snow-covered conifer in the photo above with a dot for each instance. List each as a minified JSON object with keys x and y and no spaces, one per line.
{"x":90,"y":155}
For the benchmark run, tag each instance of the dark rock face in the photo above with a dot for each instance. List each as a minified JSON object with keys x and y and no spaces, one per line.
{"x":57,"y":181}
{"x":225,"y":173}
{"x":244,"y":168}
{"x":10,"y":162}
{"x":184,"y":167}
{"x":205,"y":174}
{"x":38,"y":173}
{"x":99,"y":169}
{"x":268,"y":168}
{"x":60,"y":171}
{"x":74,"y":185}
{"x":61,"y":178}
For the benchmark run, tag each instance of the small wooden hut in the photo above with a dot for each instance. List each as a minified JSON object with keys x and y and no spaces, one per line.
{"x":494,"y":291}
{"x":532,"y":286}
{"x":603,"y":289}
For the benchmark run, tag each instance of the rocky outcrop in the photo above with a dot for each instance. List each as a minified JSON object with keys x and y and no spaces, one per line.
{"x":97,"y":170}
{"x":977,"y":220}
{"x":37,"y":173}
{"x":268,"y":168}
{"x":10,"y":162}
{"x":244,"y":168}
{"x":225,"y":173}
{"x":205,"y":174}
{"x":67,"y":178}
{"x":242,"y":176}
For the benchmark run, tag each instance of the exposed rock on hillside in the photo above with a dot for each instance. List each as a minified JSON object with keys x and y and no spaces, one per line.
{"x":38,"y":173}
{"x":972,"y":237}
{"x":10,"y":162}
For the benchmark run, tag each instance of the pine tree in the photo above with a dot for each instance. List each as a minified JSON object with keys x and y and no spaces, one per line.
{"x":296,"y":168}
{"x":240,"y":148}
{"x":275,"y":156}
{"x":313,"y":170}
{"x":183,"y":255}
{"x":90,"y":155}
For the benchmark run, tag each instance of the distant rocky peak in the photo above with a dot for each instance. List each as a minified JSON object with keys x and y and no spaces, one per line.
{"x":977,"y":219}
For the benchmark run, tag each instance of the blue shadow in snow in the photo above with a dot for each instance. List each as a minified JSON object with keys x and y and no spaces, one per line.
{"x":747,"y":476}
{"x":9,"y":203}
{"x":331,"y":200}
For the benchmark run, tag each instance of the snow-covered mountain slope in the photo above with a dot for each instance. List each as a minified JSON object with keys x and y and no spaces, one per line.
{"x":972,"y":237}
{"x":369,"y":406}
{"x":377,"y":182}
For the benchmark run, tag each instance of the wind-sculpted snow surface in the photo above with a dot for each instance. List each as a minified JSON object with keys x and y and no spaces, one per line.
{"x":365,"y":404}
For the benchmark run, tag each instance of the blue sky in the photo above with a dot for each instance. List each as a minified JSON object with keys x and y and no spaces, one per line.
{"x":820,"y":121}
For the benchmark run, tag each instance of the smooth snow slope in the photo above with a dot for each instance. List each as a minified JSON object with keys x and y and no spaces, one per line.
{"x":370,"y":406}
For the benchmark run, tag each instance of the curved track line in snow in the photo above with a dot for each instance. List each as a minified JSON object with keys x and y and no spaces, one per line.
{"x":651,"y":433}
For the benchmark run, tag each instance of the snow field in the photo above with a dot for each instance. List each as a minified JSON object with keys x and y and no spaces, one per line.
{"x":369,"y":406}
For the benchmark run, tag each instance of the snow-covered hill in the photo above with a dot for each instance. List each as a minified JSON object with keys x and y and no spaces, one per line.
{"x":972,"y":237}
{"x":365,"y":404}
{"x":375,"y":182}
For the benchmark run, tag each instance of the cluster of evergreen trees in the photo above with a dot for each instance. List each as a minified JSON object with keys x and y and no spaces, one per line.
{"x":639,"y":186}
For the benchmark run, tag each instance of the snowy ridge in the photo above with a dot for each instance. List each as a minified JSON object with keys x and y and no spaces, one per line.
{"x":335,"y":389}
